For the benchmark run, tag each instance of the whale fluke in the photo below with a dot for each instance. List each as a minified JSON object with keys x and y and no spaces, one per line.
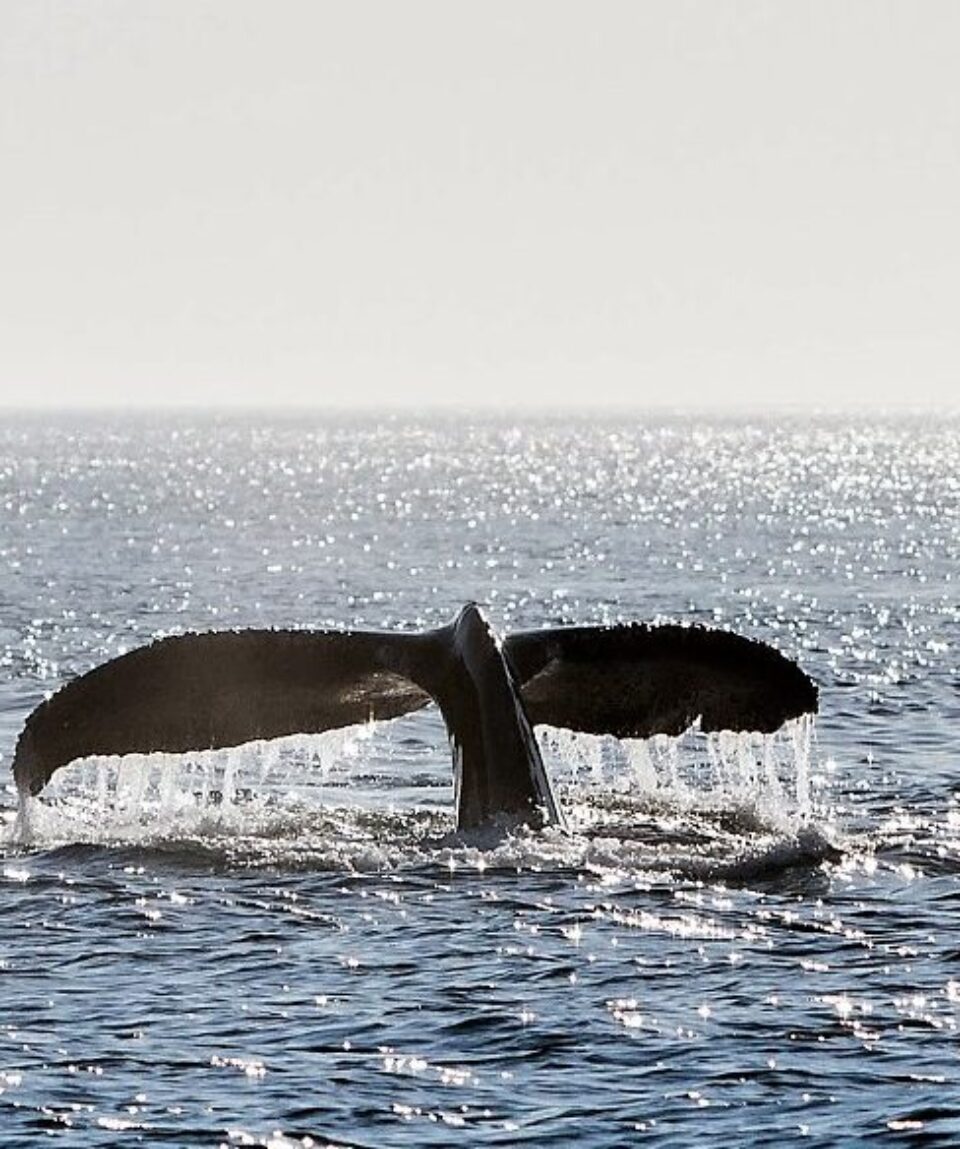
{"x":222,"y":689}
{"x":635,"y":680}
{"x":214,"y":690}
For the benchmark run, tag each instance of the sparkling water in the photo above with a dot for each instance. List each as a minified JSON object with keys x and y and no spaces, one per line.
{"x":742,"y":938}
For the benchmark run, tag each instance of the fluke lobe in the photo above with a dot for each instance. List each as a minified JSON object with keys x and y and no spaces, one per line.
{"x":224,"y":688}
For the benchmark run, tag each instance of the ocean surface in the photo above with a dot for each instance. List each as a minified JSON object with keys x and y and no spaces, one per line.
{"x":742,"y":940}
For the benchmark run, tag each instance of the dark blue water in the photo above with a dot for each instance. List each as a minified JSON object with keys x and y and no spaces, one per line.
{"x":744,"y":940}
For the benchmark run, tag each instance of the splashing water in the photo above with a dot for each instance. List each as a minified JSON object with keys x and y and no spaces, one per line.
{"x":769,"y":772}
{"x":698,"y":803}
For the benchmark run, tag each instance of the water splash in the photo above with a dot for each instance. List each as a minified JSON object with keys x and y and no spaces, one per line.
{"x":769,"y":774}
{"x":699,"y":804}
{"x":147,"y":798}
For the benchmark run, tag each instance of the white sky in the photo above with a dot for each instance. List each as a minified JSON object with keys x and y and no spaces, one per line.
{"x":359,"y":202}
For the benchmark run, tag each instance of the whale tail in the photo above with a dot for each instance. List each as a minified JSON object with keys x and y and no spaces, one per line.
{"x":222,"y":689}
{"x":636,"y":680}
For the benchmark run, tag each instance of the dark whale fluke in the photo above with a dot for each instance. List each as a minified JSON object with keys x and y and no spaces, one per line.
{"x":220,"y":689}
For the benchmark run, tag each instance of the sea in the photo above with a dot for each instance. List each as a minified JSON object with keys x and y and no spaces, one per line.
{"x":738,"y":940}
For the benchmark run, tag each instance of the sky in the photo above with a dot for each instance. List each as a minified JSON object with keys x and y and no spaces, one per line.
{"x":693,"y":203}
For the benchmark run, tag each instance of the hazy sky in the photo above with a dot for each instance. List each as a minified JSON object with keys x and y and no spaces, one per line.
{"x":675,"y":202}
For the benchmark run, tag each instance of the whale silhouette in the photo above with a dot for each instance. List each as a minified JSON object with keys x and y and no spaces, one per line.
{"x":225,"y":688}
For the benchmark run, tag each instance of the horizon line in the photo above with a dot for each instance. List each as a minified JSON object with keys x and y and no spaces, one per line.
{"x":517,"y":410}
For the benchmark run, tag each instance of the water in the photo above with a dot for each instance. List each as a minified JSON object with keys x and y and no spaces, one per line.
{"x":745,"y":940}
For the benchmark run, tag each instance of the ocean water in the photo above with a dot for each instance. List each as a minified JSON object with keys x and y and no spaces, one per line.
{"x":741,"y":940}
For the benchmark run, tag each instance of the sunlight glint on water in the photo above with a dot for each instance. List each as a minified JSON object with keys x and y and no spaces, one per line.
{"x":738,"y":938}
